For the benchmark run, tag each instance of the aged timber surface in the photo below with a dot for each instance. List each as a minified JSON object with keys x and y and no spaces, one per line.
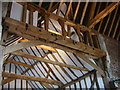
{"x":33,"y":33}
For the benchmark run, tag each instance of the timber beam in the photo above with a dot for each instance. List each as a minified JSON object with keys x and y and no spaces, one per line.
{"x":34,"y":33}
{"x":26,"y":44}
{"x":35,"y":43}
{"x":22,"y":26}
{"x":26,"y":55}
{"x":11,"y":79}
{"x":25,"y":77}
{"x":18,"y":63}
{"x":102,"y":14}
{"x":53,"y":16}
{"x":78,"y":79}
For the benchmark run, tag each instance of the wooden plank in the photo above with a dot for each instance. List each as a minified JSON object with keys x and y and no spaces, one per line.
{"x":35,"y":33}
{"x":7,"y":80}
{"x":100,"y":25}
{"x":52,"y":31}
{"x":104,"y":30}
{"x":19,"y":46}
{"x":113,"y":20}
{"x":68,"y":10}
{"x":46,"y":22}
{"x":31,"y":17}
{"x":62,"y":24}
{"x":56,"y":17}
{"x":68,"y":31}
{"x":73,"y":51}
{"x":118,"y":21}
{"x":47,"y":48}
{"x":92,"y":10}
{"x":98,"y":12}
{"x":97,"y":84}
{"x":58,"y":10}
{"x":50,"y":6}
{"x":85,"y":37}
{"x":52,"y":10}
{"x":62,"y":68}
{"x":78,"y":79}
{"x":102,"y":14}
{"x":48,"y":73}
{"x":94,"y":80}
{"x":82,"y":56}
{"x":40,"y":18}
{"x":6,"y":11}
{"x":70,"y":15}
{"x":18,"y":63}
{"x":90,"y":39}
{"x":23,"y":54}
{"x":79,"y":34}
{"x":24,"y":13}
{"x":84,"y":11}
{"x":99,"y":6}
{"x":86,"y":59}
{"x":106,"y":22}
{"x":26,"y":44}
{"x":46,"y":85}
{"x":11,"y":79}
{"x":54,"y":7}
{"x":76,"y":12}
{"x":24,"y":77}
{"x":26,"y":70}
{"x":9,"y":9}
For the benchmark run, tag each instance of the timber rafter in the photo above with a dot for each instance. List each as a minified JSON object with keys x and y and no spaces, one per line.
{"x":46,"y":39}
{"x":19,"y":26}
{"x":23,"y":54}
{"x":102,"y":14}
{"x":34,"y":33}
{"x":56,"y":17}
{"x":39,"y":79}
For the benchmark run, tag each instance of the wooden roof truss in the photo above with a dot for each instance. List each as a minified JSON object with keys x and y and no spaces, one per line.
{"x":35,"y":45}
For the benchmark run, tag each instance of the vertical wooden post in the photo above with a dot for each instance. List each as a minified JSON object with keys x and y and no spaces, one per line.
{"x":6,"y":11}
{"x":46,"y":22}
{"x":62,"y":24}
{"x":31,"y":17}
{"x":78,"y":33}
{"x":24,"y":13}
{"x":69,"y":31}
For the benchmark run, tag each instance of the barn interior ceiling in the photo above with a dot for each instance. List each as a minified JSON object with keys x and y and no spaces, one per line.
{"x":57,"y":45}
{"x":100,"y":16}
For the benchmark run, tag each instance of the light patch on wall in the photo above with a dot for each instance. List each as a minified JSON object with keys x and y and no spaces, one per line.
{"x":16,"y":11}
